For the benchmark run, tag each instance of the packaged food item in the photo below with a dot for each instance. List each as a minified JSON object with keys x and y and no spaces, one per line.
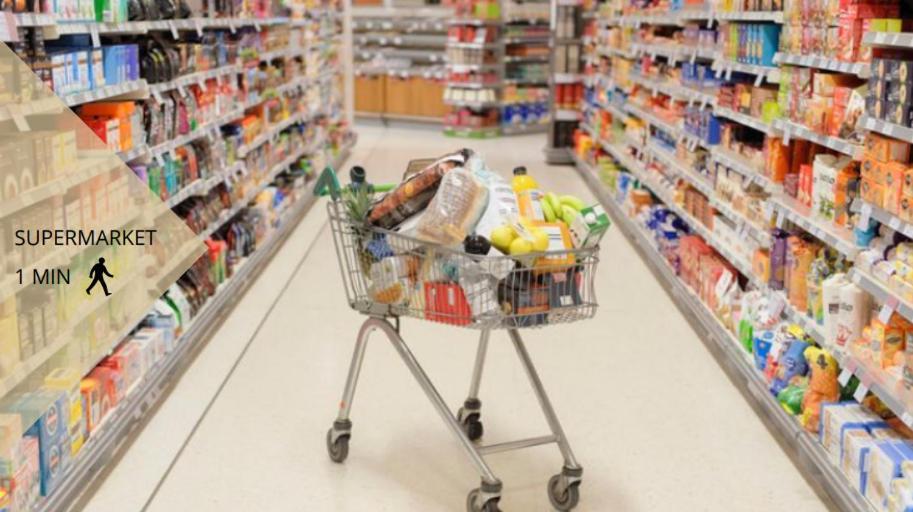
{"x":589,"y":227}
{"x":415,"y":192}
{"x":502,"y":203}
{"x":454,"y":210}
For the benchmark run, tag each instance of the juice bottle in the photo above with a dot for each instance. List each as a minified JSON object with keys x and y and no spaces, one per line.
{"x":528,"y":195}
{"x":523,"y":181}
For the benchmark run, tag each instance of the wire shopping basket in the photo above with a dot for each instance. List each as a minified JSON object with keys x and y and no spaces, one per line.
{"x":393,"y":275}
{"x":388,"y":274}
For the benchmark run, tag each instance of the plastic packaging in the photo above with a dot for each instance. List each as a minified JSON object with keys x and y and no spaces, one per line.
{"x":415,"y":192}
{"x":454,"y":210}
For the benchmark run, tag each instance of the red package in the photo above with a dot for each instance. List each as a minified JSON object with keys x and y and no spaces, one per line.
{"x":446,"y":303}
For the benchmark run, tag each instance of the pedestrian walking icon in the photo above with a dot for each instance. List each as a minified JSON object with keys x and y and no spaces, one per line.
{"x":97,"y":274}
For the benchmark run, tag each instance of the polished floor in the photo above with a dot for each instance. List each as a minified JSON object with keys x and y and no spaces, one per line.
{"x":654,"y":421}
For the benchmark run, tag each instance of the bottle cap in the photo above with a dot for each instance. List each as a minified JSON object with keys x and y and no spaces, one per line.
{"x":520,"y":171}
{"x":357,"y":174}
{"x":476,"y":244}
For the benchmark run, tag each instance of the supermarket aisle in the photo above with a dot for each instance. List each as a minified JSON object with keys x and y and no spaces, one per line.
{"x":647,"y":443}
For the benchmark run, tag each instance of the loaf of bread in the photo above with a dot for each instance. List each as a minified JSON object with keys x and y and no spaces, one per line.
{"x":455,"y":209}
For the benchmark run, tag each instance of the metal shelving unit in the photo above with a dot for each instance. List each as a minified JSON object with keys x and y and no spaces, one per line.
{"x":804,"y":448}
{"x":789,"y":209}
{"x":780,"y":209}
{"x":106,"y":441}
{"x":109,"y":436}
{"x":860,"y":69}
{"x":885,"y":128}
{"x":794,"y":130}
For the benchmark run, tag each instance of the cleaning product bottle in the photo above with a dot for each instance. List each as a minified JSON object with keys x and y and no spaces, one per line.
{"x":528,"y":195}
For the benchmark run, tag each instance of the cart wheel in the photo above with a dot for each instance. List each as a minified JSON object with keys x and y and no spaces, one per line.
{"x":472,"y":425}
{"x":339,"y":450}
{"x":472,"y":503}
{"x":563,"y":497}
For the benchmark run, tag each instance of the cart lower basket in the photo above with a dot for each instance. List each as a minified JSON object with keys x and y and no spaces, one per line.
{"x":388,"y":275}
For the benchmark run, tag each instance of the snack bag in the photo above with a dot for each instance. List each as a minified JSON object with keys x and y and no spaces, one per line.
{"x":415,"y":192}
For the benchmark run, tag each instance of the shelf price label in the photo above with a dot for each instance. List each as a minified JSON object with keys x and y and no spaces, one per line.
{"x":861,"y":391}
{"x":865,"y":215}
{"x":93,"y":34}
{"x":884,"y":316}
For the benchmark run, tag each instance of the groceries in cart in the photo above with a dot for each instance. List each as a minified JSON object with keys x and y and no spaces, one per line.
{"x":455,"y":242}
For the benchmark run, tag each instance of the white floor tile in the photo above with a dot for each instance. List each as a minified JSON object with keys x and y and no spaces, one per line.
{"x":654,"y":421}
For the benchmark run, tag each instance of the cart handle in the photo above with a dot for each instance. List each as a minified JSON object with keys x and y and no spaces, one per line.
{"x":328,"y":185}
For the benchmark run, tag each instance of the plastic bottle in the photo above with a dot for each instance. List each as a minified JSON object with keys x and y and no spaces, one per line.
{"x":528,"y":195}
{"x":478,"y":285}
{"x":522,"y":181}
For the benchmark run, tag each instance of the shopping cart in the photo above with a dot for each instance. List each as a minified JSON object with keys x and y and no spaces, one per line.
{"x":388,"y":276}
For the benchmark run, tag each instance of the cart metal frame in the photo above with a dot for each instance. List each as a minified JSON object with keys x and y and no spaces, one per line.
{"x":567,"y":287}
{"x":563,"y":488}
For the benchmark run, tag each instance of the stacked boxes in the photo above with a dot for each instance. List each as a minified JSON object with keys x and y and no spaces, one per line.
{"x":891,"y":91}
{"x":884,"y":172}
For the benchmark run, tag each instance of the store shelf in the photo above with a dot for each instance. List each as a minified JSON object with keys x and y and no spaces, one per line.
{"x":706,"y":188}
{"x":567,"y":114}
{"x":774,"y":16}
{"x":860,"y":69}
{"x":136,"y":89}
{"x":386,"y":116}
{"x":889,"y":39}
{"x":885,"y":217}
{"x":403,"y":53}
{"x":102,"y":446}
{"x":666,"y":126}
{"x":726,"y":348}
{"x":87,"y":167}
{"x":519,"y":129}
{"x":473,"y":45}
{"x":466,"y":68}
{"x":673,"y":90}
{"x":472,"y":133}
{"x":608,"y":51}
{"x":739,"y":165}
{"x":566,"y":78}
{"x":199,"y":77}
{"x":800,"y":215}
{"x":745,"y":120}
{"x":531,"y":40}
{"x":476,"y":85}
{"x":207,"y":129}
{"x":198,"y":24}
{"x":885,"y":128}
{"x":432,"y":40}
{"x":525,"y":58}
{"x":617,"y":111}
{"x":793,"y":130}
{"x":664,"y":18}
{"x":472,"y":104}
{"x":673,"y":52}
{"x":273,"y":131}
{"x":476,"y":22}
{"x":727,"y":67}
{"x":669,"y":159}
